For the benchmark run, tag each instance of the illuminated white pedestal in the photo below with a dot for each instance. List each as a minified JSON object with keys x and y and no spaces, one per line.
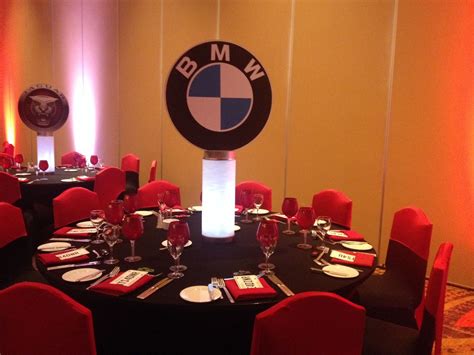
{"x":45,"y":146}
{"x":218,"y":196}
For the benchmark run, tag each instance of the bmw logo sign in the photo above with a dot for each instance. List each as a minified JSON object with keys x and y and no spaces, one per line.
{"x":218,"y":96}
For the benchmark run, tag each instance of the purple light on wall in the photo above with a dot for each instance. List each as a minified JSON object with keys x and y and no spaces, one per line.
{"x":84,"y":115}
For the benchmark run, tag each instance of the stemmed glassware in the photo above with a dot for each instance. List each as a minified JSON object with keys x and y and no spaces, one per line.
{"x":246,"y":201}
{"x":267,"y":236}
{"x":257,"y":202}
{"x":114,"y":215}
{"x":130,"y":203}
{"x":323,"y":223}
{"x":289,"y":207}
{"x":132,"y":229}
{"x":43,"y":165}
{"x":97,"y":217}
{"x":305,"y":218}
{"x":110,"y":235}
{"x":94,"y":159}
{"x":178,"y":236}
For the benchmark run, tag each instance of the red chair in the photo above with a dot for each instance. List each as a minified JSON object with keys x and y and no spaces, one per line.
{"x":334,"y":204}
{"x":72,"y":159}
{"x":152,"y":171}
{"x":73,"y":205}
{"x":9,"y":188}
{"x":12,"y":225}
{"x":388,"y":338}
{"x":109,"y":184}
{"x":6,"y":161}
{"x":397,"y":295}
{"x":148,"y":193}
{"x":8,"y":149}
{"x":309,"y":323}
{"x":39,"y":319}
{"x":131,"y":167}
{"x":254,"y":187}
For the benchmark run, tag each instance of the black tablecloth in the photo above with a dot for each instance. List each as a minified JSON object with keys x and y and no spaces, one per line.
{"x":164,"y":323}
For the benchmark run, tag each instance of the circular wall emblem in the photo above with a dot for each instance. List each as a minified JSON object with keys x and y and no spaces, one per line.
{"x":43,"y":108}
{"x":218,"y":96}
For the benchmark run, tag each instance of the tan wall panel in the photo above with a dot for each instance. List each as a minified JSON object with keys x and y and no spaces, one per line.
{"x":141,"y":97}
{"x":339,"y":103}
{"x":430,"y":156}
{"x":262,"y":27}
{"x":185,"y":24}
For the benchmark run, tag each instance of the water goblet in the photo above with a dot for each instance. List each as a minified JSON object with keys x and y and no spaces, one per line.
{"x":289,"y":208}
{"x":97,"y":217}
{"x":178,"y":236}
{"x":246,"y":201}
{"x":305,"y":218}
{"x":257,"y":202}
{"x":43,"y":165}
{"x":94,"y":159}
{"x":323,"y":223}
{"x":267,"y":236}
{"x":111,"y":234}
{"x":130,"y":203}
{"x":114,"y":214}
{"x":132,"y":229}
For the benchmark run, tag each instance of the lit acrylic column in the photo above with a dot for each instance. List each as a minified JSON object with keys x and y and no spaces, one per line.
{"x":45,"y":146}
{"x":218,"y":195}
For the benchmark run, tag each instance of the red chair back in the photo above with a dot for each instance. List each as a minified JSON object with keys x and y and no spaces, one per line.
{"x":309,"y":323}
{"x":12,"y":225}
{"x":73,"y":205}
{"x":130,"y":162}
{"x":8,"y":149}
{"x":334,"y":204}
{"x":432,"y":325}
{"x":39,"y":319}
{"x":72,"y":158}
{"x":109,"y":184}
{"x":152,"y":171}
{"x":254,"y":187}
{"x":148,"y":193}
{"x":6,"y":160}
{"x":9,"y":188}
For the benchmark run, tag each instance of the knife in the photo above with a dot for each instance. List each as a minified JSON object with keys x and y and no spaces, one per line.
{"x":72,"y":265}
{"x":71,"y":240}
{"x":280,"y":285}
{"x":154,"y":288}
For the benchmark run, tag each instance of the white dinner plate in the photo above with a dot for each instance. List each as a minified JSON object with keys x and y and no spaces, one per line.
{"x":260,"y":211}
{"x":23,"y":174}
{"x":69,"y":180}
{"x":196,"y":208}
{"x":71,"y":169}
{"x":165,"y":243}
{"x":340,"y":271}
{"x":55,"y":246}
{"x":357,"y":245}
{"x":144,"y":213}
{"x":236,"y":228}
{"x":82,"y":275}
{"x":85,"y":224}
{"x":200,"y":294}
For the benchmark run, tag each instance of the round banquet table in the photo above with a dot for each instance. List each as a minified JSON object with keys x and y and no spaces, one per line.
{"x":166,"y":324}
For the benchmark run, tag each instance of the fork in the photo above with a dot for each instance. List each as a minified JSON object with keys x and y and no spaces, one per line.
{"x":112,"y":273}
{"x":221,"y":284}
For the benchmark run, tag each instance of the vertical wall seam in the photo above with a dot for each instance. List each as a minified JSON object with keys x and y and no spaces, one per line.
{"x":218,"y":20}
{"x":163,"y":93}
{"x":388,"y":119}
{"x":289,"y":79}
{"x":119,"y":97}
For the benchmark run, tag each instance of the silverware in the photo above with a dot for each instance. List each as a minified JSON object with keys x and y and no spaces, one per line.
{"x":221,"y":284}
{"x":114,"y":272}
{"x":70,"y":240}
{"x":93,"y":274}
{"x":154,"y":288}
{"x":280,"y":284}
{"x":72,"y":265}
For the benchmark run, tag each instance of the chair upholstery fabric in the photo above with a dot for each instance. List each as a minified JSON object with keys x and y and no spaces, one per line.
{"x":334,"y":204}
{"x":9,"y":188}
{"x":382,"y":337}
{"x":9,"y":149}
{"x":397,"y":295}
{"x":109,"y":184}
{"x":39,"y":319}
{"x":6,"y":159}
{"x":152,"y":171}
{"x":254,"y":187}
{"x":12,"y":225}
{"x":72,"y":158}
{"x":148,"y":193}
{"x":73,"y":205}
{"x":309,"y":323}
{"x":131,"y":166}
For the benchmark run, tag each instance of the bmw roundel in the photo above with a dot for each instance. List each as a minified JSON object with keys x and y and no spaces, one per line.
{"x":218,"y":96}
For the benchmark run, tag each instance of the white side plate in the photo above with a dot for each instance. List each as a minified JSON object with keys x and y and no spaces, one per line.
{"x":340,"y":271}
{"x":51,"y":247}
{"x":82,"y":275}
{"x":200,"y":294}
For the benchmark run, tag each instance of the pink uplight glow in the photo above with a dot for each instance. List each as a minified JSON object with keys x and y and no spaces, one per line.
{"x":84,"y":115}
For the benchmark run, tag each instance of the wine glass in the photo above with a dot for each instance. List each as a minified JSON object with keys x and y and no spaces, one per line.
{"x":114,"y":214}
{"x":43,"y":165}
{"x":323,"y":223}
{"x":246,"y":201}
{"x":132,"y":229}
{"x":130,"y":203}
{"x":94,"y":159}
{"x":257,"y":202}
{"x":289,"y":208}
{"x":305,"y":218}
{"x":111,"y":234}
{"x":267,"y":236}
{"x":97,"y":217}
{"x":18,"y":160}
{"x":178,"y":236}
